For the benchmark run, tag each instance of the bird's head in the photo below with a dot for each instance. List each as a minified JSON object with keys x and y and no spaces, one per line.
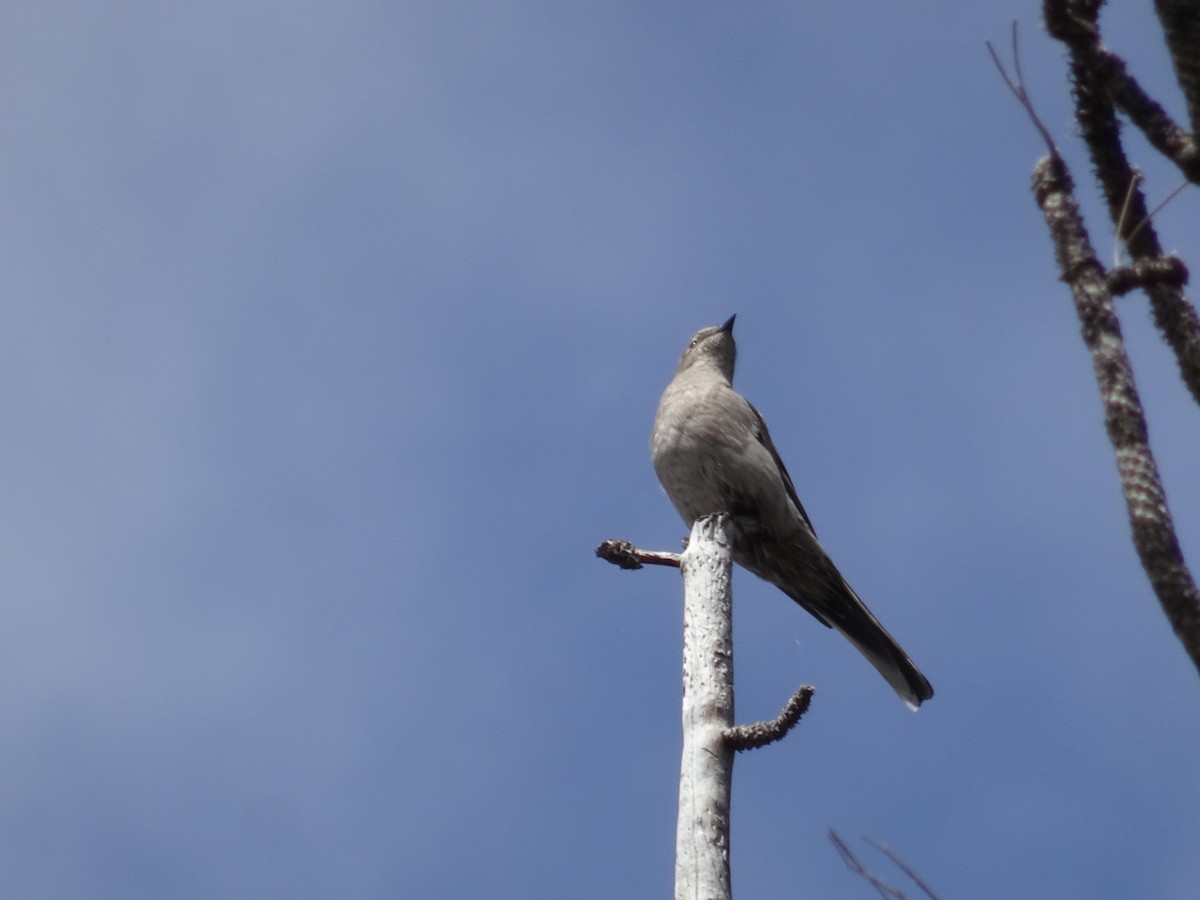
{"x":712,"y":347}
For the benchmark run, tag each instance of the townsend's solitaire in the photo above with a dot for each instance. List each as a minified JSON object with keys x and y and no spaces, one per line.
{"x":713,"y":454}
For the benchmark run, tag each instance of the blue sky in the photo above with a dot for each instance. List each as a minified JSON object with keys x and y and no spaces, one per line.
{"x":332,"y":339}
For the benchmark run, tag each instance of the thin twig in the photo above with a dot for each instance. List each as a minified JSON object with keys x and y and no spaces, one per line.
{"x":1016,"y":84}
{"x":887,"y":891}
{"x":902,"y":865}
{"x":1120,"y":229}
{"x":1154,"y":212}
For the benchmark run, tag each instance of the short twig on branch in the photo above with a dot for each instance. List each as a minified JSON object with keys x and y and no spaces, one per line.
{"x":627,"y":556}
{"x":1168,"y":270}
{"x":751,"y":737}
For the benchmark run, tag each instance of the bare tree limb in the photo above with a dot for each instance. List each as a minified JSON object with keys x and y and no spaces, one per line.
{"x":1074,"y":22}
{"x":1079,"y":30}
{"x":1181,"y":25}
{"x":751,"y":737}
{"x":710,"y":739}
{"x":706,"y":763}
{"x":1153,"y":529}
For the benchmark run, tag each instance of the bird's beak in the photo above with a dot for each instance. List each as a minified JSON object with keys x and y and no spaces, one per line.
{"x":728,"y":326}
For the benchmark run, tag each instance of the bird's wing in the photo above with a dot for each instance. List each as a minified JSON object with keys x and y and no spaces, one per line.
{"x":764,"y":438}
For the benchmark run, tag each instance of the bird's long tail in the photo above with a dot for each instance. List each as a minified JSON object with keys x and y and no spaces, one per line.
{"x":863,"y":630}
{"x":814,"y":582}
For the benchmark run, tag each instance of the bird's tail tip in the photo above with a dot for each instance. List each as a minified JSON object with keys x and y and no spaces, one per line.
{"x":914,"y":688}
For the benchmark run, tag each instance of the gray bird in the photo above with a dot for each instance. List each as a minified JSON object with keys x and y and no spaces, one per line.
{"x":712,"y":453}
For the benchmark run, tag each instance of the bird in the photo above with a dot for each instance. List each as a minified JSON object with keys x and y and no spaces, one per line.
{"x":712,"y":453}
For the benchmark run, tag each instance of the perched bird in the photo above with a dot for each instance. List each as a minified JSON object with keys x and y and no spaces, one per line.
{"x":713,"y":454}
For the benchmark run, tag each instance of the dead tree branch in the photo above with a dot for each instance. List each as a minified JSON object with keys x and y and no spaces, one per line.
{"x":1095,"y":79}
{"x":1181,"y":25}
{"x":1074,"y":22}
{"x":1153,"y":529}
{"x":710,"y":739}
{"x":706,"y":764}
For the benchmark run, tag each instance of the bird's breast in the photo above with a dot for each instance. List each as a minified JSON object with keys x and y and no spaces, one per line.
{"x":694,"y":457}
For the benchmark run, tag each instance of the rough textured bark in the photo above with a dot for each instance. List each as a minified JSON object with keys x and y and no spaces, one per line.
{"x":1099,"y":82}
{"x":1102,"y":86}
{"x":1181,"y":26}
{"x":1153,"y":529}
